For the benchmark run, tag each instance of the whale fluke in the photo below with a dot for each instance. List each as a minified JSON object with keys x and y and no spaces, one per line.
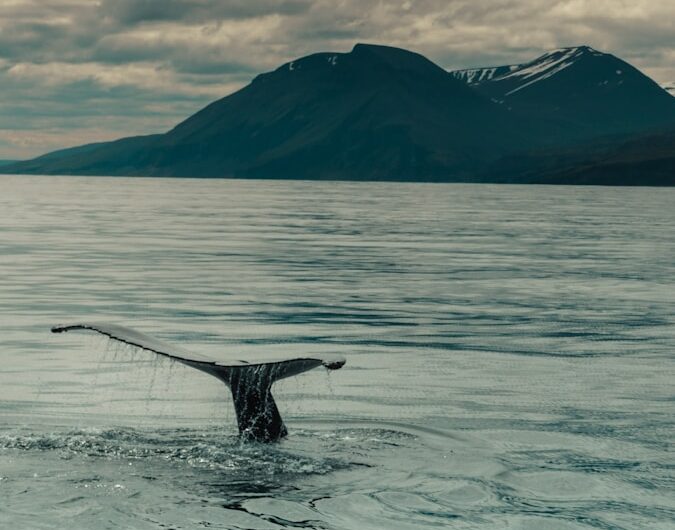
{"x":250,"y":381}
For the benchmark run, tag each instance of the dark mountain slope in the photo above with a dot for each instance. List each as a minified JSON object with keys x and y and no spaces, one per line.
{"x":374,"y":113}
{"x":646,"y":160}
{"x":108,"y":158}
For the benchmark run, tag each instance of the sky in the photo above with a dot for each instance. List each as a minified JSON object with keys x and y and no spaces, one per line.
{"x":80,"y":71}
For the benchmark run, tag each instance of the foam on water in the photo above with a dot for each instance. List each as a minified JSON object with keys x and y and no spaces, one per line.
{"x":206,"y":448}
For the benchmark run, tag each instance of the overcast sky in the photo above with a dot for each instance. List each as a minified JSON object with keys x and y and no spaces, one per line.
{"x":77,"y":71}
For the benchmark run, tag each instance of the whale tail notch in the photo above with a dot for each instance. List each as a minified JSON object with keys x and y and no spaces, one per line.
{"x":258,"y":417}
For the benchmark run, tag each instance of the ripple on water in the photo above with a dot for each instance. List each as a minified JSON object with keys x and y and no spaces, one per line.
{"x":509,"y":354}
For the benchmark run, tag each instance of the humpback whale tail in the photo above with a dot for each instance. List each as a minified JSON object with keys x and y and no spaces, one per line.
{"x":251,"y":383}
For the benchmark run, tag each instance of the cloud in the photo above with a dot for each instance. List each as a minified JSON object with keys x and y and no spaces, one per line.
{"x":98,"y":68}
{"x":200,"y":11}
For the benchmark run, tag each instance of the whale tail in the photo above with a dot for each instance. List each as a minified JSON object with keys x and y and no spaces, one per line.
{"x":251,"y":383}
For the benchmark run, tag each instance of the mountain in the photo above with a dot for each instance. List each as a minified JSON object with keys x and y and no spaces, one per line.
{"x":7,"y":162}
{"x":580,"y":91}
{"x":374,"y":113}
{"x":383,"y":113}
{"x":643,"y":160}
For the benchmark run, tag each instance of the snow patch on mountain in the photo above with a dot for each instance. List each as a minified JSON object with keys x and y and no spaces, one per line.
{"x":526,"y":74}
{"x":475,"y":75}
{"x":548,"y":64}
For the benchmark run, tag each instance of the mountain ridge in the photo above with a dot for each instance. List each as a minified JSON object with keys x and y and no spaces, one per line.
{"x":384,"y":113}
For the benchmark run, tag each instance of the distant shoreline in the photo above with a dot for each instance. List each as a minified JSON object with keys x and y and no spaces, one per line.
{"x":357,"y":181}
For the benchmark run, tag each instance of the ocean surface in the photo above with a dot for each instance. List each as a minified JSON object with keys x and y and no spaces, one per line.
{"x":510,"y":354}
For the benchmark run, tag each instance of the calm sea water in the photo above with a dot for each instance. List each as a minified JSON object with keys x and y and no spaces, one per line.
{"x":510,"y":355}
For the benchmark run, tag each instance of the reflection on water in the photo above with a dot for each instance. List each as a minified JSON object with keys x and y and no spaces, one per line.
{"x":510,"y":354}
